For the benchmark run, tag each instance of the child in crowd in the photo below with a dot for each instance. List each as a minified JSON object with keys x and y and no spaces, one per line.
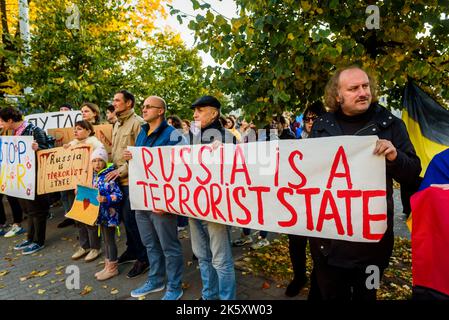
{"x":88,"y":236}
{"x":109,"y":197}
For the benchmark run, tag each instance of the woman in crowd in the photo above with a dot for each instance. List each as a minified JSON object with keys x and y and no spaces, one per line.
{"x":37,"y":209}
{"x":90,"y":112}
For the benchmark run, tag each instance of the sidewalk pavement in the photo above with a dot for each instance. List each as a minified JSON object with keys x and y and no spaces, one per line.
{"x":49,"y":269}
{"x":49,"y":266}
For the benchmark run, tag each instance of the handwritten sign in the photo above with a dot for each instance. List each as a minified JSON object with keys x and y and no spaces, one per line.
{"x":327,"y":187}
{"x":51,"y":120}
{"x":102,"y":131}
{"x":62,"y":169}
{"x":17,"y":167}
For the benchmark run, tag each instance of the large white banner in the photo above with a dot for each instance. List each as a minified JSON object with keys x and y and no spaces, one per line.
{"x":17,"y":167}
{"x":53,"y":120}
{"x":327,"y":187}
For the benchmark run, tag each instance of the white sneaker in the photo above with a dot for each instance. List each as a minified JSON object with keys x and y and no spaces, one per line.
{"x":14,"y":231}
{"x":260,"y":244}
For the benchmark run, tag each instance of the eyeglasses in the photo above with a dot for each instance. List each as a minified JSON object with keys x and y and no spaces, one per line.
{"x":310,"y":119}
{"x":147,"y":106}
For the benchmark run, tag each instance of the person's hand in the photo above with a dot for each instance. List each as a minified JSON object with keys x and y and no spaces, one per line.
{"x":441,"y":186}
{"x":34,"y":146}
{"x":159,"y":211}
{"x":385,"y":148}
{"x":66,"y":145}
{"x":114,"y":174}
{"x":127,"y":155}
{"x":101,"y":199}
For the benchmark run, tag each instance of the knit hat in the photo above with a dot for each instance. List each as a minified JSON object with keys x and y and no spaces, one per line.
{"x":99,"y":153}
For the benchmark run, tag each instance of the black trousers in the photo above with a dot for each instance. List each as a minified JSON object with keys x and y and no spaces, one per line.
{"x":88,"y":236}
{"x":37,"y":210}
{"x":297,"y":247}
{"x":16,"y":209}
{"x":134,"y":245}
{"x":343,"y":284}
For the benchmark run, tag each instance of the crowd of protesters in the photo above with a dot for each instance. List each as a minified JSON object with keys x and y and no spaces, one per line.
{"x":152,"y":238}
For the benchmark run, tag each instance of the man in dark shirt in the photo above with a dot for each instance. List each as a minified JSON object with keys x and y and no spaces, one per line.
{"x":342,"y":267}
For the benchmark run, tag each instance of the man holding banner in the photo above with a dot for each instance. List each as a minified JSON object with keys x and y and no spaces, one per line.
{"x":211,"y":242}
{"x":343,"y":269}
{"x":158,"y":230}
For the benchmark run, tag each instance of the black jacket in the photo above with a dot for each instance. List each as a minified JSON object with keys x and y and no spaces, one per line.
{"x":40,"y":204}
{"x":212,"y":132}
{"x":404,"y":169}
{"x":38,"y":134}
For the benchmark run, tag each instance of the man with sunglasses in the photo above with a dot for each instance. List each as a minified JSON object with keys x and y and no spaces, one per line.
{"x":158,"y":230}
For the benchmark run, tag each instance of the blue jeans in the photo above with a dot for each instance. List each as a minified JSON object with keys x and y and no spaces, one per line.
{"x":211,"y":244}
{"x":159,"y":235}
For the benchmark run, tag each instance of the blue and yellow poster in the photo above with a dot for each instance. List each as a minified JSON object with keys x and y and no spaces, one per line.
{"x":85,"y":208}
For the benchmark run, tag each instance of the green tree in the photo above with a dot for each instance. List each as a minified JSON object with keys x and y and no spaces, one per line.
{"x":278,"y":54}
{"x":88,"y":63}
{"x":169,"y":69}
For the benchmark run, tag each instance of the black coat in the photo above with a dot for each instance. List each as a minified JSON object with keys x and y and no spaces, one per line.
{"x":404,"y":169}
{"x":40,"y":204}
{"x":211,"y":133}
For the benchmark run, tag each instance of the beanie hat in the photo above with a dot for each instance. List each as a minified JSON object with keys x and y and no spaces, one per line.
{"x":99,"y":153}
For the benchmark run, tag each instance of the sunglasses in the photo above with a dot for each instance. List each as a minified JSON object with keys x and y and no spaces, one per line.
{"x":308,"y":119}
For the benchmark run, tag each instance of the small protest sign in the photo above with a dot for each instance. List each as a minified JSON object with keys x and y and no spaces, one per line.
{"x":51,"y":120}
{"x":102,"y":131}
{"x":17,"y":167}
{"x":62,"y":169}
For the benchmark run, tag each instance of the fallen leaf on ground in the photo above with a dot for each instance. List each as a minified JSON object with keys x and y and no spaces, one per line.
{"x":114,"y":291}
{"x":3,"y":273}
{"x":185,"y":285}
{"x":41,"y":291}
{"x":2,"y":286}
{"x":105,"y":287}
{"x":142,"y":298}
{"x":86,"y":290}
{"x":59,"y":268}
{"x":43,"y":273}
{"x":266,"y":285}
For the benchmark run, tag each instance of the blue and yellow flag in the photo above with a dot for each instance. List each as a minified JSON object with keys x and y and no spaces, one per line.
{"x":427,"y":124}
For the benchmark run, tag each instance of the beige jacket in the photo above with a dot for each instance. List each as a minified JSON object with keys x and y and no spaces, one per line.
{"x":124,"y":134}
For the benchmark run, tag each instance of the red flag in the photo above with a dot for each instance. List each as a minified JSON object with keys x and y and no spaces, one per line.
{"x":430,"y":239}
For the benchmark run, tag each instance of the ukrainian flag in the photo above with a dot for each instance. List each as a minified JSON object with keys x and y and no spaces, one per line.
{"x":430,"y":236}
{"x":427,"y":124}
